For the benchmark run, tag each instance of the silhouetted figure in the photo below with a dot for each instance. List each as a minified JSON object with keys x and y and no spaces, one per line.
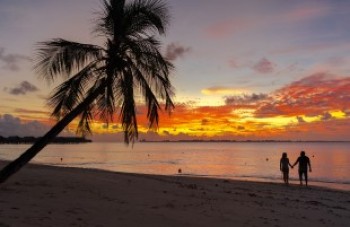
{"x":304,"y":162}
{"x":284,"y":167}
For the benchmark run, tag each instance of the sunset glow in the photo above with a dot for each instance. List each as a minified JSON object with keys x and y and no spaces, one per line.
{"x":234,"y":79}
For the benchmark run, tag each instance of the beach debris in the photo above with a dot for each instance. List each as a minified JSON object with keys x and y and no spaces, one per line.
{"x":192,"y":186}
{"x":267,"y":159}
{"x":179,"y":170}
{"x":189,"y":186}
{"x":61,"y":159}
{"x":170,"y":205}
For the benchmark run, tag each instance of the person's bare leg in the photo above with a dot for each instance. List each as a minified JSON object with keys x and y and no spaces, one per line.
{"x":305,"y":174}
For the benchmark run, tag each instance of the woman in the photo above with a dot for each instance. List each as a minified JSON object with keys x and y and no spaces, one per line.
{"x":284,"y":167}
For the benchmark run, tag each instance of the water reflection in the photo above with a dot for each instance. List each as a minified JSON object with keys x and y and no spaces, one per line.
{"x":230,"y":160}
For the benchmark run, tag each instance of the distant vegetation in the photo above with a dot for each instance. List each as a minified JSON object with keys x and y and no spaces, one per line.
{"x":240,"y":141}
{"x":30,"y":139}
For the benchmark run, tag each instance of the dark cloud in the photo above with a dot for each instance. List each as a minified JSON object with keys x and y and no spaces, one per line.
{"x":241,"y":128}
{"x":166,"y":132}
{"x":205,"y":122}
{"x":11,"y":61}
{"x":263,"y":66}
{"x":175,"y":51}
{"x":300,"y":119}
{"x":28,"y":111}
{"x":326,"y":116}
{"x":244,"y":99}
{"x":13,"y":126}
{"x":22,"y":89}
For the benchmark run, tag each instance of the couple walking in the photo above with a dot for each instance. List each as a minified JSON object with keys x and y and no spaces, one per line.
{"x":303,"y":161}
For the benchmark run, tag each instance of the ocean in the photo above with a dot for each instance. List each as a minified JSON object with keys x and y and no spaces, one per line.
{"x":251,"y":161}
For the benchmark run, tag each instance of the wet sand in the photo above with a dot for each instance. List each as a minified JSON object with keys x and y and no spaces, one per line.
{"x":55,"y":196}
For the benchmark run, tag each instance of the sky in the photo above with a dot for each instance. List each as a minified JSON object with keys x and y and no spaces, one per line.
{"x":245,"y":69}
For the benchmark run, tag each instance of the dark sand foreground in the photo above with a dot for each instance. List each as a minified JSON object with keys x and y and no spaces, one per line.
{"x":54,"y":196}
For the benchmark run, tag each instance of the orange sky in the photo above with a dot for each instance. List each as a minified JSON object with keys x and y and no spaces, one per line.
{"x":246,"y":70}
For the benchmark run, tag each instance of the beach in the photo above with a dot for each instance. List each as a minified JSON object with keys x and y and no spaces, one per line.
{"x":55,"y":196}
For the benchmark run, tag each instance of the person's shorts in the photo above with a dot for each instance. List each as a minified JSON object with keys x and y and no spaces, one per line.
{"x":302,"y":172}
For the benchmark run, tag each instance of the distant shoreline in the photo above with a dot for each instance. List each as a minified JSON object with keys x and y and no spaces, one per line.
{"x":31,"y":140}
{"x":244,"y":141}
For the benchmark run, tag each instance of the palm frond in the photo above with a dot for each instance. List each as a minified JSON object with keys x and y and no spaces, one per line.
{"x":109,"y":21}
{"x":150,"y":98}
{"x":150,"y":63}
{"x":61,"y":57}
{"x":128,"y":111}
{"x":106,"y":103}
{"x":144,"y":16}
{"x":67,"y":95}
{"x":86,"y":117}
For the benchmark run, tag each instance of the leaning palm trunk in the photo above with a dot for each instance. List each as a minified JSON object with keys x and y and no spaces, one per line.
{"x":17,"y":164}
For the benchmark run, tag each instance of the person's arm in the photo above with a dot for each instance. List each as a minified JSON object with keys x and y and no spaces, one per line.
{"x":295,"y":162}
{"x":291,"y":166}
{"x":281,"y":164}
{"x":289,"y":163}
{"x":309,"y":163}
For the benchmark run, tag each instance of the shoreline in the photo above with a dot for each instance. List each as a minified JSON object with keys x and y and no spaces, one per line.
{"x":293,"y":180}
{"x":42,"y":195}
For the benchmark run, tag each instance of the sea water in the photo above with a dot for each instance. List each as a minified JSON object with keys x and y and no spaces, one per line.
{"x":252,"y":161}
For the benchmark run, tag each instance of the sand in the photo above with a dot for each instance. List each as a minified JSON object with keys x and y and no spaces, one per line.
{"x":56,"y":196}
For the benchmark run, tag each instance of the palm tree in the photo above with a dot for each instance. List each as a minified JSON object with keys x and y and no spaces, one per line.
{"x":102,"y":81}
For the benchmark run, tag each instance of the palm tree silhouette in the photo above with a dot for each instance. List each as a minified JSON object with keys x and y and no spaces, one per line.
{"x":103,"y":80}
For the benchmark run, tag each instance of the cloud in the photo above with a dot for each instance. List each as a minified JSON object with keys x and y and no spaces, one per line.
{"x":244,"y":99}
{"x":264,"y":66}
{"x":240,"y":128}
{"x":13,"y":126}
{"x":300,"y":119}
{"x":175,"y":51}
{"x":22,"y":89}
{"x":314,"y":95}
{"x":29,"y":111}
{"x":11,"y":61}
{"x":205,"y":121}
{"x":305,"y":13}
{"x":222,"y":90}
{"x":226,"y":28}
{"x":326,"y":116}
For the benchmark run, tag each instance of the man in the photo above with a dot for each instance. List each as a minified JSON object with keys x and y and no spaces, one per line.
{"x":304,"y":162}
